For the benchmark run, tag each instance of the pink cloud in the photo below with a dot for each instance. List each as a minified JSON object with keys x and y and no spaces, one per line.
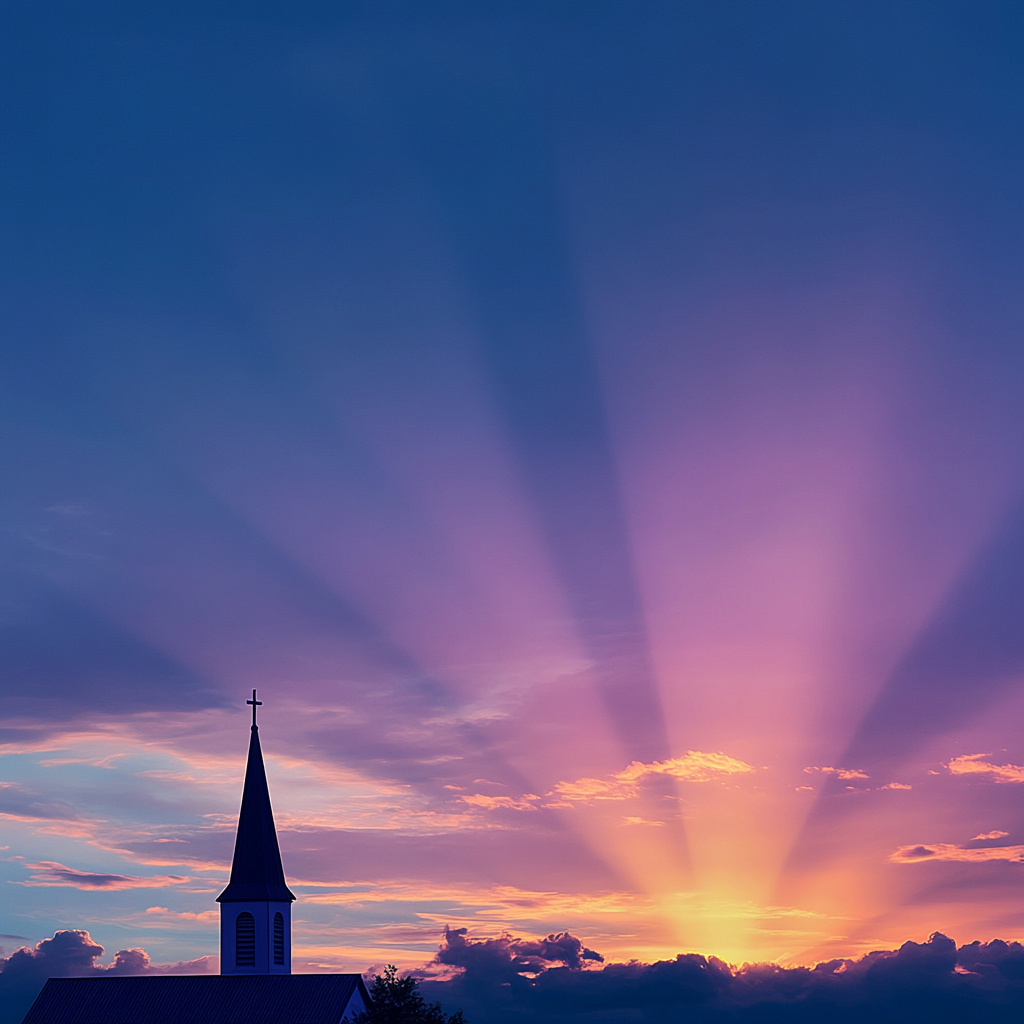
{"x":184,"y":915}
{"x":952,"y":852}
{"x":102,"y":762}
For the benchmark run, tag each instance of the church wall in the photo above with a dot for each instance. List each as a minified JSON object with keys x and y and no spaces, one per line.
{"x":263,"y":915}
{"x":355,"y":1005}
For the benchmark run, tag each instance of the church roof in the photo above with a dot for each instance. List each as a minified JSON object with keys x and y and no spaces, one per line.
{"x":256,"y":871}
{"x":198,"y":999}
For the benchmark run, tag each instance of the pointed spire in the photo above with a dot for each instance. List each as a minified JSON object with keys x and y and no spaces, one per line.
{"x":256,"y":871}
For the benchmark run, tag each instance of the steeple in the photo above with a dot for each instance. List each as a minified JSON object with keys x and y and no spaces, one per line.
{"x":256,"y":870}
{"x":256,"y":905}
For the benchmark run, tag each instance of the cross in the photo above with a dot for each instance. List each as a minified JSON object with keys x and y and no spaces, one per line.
{"x":255,"y":704}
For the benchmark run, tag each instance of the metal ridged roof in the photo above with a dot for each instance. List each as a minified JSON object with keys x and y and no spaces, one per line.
{"x":197,"y":999}
{"x":256,"y":871}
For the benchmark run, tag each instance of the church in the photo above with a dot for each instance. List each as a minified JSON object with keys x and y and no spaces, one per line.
{"x":256,"y":984}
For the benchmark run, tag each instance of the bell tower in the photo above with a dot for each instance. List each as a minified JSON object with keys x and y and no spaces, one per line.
{"x":256,"y":907}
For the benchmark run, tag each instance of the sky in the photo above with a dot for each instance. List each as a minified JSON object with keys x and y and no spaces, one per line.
{"x":595,"y":429}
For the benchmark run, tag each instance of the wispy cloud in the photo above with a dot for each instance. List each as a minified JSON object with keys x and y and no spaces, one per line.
{"x":996,"y":834}
{"x":502,"y":803}
{"x":502,"y":906}
{"x":51,"y":873}
{"x":839,"y":773}
{"x":952,"y":852}
{"x":972,"y":764}
{"x":22,"y":804}
{"x":367,"y":919}
{"x":183,"y":915}
{"x":499,"y":903}
{"x":102,"y":762}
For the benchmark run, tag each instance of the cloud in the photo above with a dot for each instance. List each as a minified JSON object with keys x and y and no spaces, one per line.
{"x":895,"y":785}
{"x":510,"y":957}
{"x":557,"y":979}
{"x":693,"y":766}
{"x":972,"y":764}
{"x":595,"y":789}
{"x":630,"y":923}
{"x":997,"y":834}
{"x":183,"y":915}
{"x":51,"y":873}
{"x":102,"y":762}
{"x":952,"y":852}
{"x":839,"y":773}
{"x":72,"y":954}
{"x":501,"y":803}
{"x":23,"y":804}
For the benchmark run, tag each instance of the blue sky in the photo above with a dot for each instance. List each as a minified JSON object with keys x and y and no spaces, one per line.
{"x":595,"y":429}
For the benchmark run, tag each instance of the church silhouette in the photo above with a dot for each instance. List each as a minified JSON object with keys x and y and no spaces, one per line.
{"x":256,"y":984}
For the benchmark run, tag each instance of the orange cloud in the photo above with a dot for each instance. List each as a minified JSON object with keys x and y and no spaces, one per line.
{"x":693,"y":766}
{"x":895,"y":785}
{"x":627,"y":924}
{"x":596,"y":789}
{"x":997,"y":834}
{"x":50,"y":873}
{"x":972,"y":764}
{"x":501,"y":803}
{"x":839,"y":773}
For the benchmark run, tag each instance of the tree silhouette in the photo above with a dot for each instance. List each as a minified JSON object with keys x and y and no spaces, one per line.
{"x":396,"y":1001}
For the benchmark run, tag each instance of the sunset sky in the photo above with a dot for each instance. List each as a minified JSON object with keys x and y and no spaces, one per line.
{"x":597,"y":431}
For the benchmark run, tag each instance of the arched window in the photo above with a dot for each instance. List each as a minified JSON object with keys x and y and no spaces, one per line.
{"x":278,"y":938}
{"x":245,"y":940}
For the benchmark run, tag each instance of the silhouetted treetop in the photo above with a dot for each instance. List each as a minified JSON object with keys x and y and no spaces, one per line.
{"x":396,"y":1001}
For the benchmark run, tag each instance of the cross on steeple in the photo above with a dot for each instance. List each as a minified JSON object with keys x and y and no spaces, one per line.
{"x":255,"y":704}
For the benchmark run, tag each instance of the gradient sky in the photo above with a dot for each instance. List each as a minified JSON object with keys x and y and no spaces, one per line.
{"x":596,"y":429}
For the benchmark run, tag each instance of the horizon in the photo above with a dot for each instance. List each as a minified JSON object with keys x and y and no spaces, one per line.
{"x":594,"y":429}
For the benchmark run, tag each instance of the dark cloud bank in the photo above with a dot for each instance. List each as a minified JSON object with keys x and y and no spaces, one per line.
{"x":557,"y":979}
{"x":71,"y":954}
{"x":929,"y":981}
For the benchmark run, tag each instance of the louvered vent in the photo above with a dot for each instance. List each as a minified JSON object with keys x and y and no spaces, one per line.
{"x":278,"y":938}
{"x":245,"y":940}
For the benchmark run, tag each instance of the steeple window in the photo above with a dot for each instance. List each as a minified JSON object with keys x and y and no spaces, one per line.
{"x":278,"y":938}
{"x":245,"y":940}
